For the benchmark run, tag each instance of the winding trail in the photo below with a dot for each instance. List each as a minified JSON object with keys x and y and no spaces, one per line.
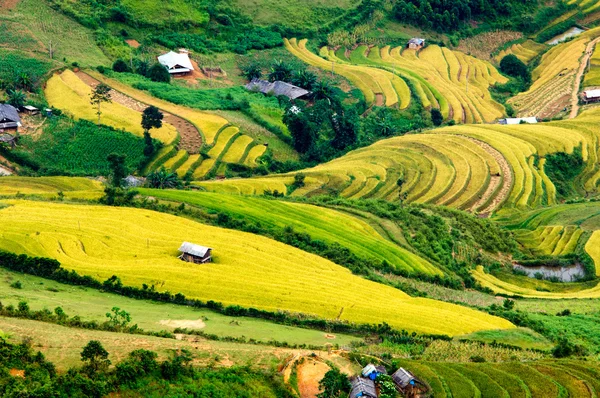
{"x":191,"y":139}
{"x":499,"y":186}
{"x":589,"y":49}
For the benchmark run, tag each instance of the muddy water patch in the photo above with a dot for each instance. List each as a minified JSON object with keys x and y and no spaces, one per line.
{"x":572,"y":273}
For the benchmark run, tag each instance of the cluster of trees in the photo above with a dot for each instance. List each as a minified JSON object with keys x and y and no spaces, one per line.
{"x":140,"y":371}
{"x":514,"y":67}
{"x":155,"y":72}
{"x":448,"y":16}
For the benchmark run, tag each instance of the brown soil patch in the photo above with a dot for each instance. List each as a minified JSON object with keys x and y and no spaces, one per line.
{"x":184,"y":323}
{"x":379,"y":99}
{"x":133,"y":43}
{"x":484,"y":44}
{"x":309,"y":374}
{"x":17,"y":373}
{"x":493,"y":188}
{"x":330,"y":336}
{"x":8,"y":4}
{"x":191,"y":140}
{"x":555,"y":107}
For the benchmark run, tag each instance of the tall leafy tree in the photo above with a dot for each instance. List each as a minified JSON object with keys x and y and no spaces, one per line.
{"x":95,"y":357}
{"x":118,"y":170}
{"x":100,"y":95}
{"x":158,"y":73}
{"x":152,"y":117}
{"x":334,"y":384}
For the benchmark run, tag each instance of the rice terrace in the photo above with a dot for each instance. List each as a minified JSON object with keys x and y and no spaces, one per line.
{"x":353,"y":198}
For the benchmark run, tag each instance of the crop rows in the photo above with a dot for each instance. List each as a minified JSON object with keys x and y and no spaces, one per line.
{"x":537,"y":379}
{"x":71,"y":187}
{"x":587,"y":6}
{"x":455,"y":83}
{"x":592,"y":76}
{"x":379,"y":87}
{"x":211,"y":126}
{"x":525,"y":51}
{"x":551,"y":240}
{"x":553,"y":78}
{"x":68,"y":93}
{"x":140,"y":247}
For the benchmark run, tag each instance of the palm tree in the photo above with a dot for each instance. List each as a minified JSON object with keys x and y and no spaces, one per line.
{"x":304,"y":79}
{"x":163,"y":179}
{"x":16,"y":98}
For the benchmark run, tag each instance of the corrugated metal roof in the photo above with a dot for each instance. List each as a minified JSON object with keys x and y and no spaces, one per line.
{"x":276,"y":88}
{"x":416,"y":40}
{"x":402,"y":377}
{"x":518,"y":120}
{"x":8,"y":113}
{"x":194,"y":250}
{"x":176,"y":63}
{"x":362,"y":387}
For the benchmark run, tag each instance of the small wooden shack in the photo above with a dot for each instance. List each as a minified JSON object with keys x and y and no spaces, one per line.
{"x":278,"y":88}
{"x":31,"y":110}
{"x":407,"y":384}
{"x":416,"y":43}
{"x":9,"y":118}
{"x":363,"y":388}
{"x":591,"y":96}
{"x":195,"y":253}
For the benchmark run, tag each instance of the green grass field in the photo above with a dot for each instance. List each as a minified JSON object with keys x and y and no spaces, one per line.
{"x":92,"y":305}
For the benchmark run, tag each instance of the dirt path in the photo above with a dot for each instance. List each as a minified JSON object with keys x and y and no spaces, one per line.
{"x":506,"y":179}
{"x":309,"y":374}
{"x":191,"y":140}
{"x":582,"y":65}
{"x":379,"y":99}
{"x":8,"y":4}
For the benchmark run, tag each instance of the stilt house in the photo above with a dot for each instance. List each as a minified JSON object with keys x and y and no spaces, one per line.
{"x":195,"y":253}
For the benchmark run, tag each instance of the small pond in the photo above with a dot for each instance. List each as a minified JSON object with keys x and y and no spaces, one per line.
{"x":574,"y":31}
{"x":564,"y":274}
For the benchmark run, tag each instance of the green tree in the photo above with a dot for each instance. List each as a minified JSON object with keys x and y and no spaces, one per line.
{"x":151,"y":118}
{"x":100,"y":94}
{"x":280,"y":70}
{"x":158,"y":73}
{"x":436,"y":116}
{"x":334,"y":384}
{"x":118,"y":318}
{"x":120,"y":66}
{"x":252,"y":71}
{"x":141,"y":67}
{"x":95,"y":357}
{"x":16,"y":98}
{"x":118,"y":170}
{"x":513,"y":66}
{"x":163,"y":179}
{"x":305,"y":79}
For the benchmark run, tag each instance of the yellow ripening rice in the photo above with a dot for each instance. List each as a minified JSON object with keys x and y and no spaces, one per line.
{"x":71,"y":187}
{"x":69,"y":93}
{"x":140,"y":246}
{"x":592,"y":247}
{"x":208,"y":123}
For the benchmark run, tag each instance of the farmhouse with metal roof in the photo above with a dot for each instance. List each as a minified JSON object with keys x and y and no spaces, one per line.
{"x":195,"y":253}
{"x":277,"y":88}
{"x":9,"y":118}
{"x":176,"y":63}
{"x":416,"y":43}
{"x":363,"y":388}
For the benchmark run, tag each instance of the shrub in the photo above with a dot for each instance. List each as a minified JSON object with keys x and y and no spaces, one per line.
{"x":16,"y":285}
{"x":120,"y":66}
{"x":513,"y":66}
{"x":158,"y":73}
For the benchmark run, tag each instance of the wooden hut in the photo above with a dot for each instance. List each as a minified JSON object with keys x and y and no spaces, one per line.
{"x":31,"y":110}
{"x":407,"y":384}
{"x":277,"y":88}
{"x":195,"y":253}
{"x":363,"y":388}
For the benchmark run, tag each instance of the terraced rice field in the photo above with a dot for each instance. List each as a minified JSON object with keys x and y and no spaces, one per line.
{"x":586,"y":6}
{"x":320,"y":223}
{"x":71,"y":187}
{"x":537,"y":379}
{"x":379,"y":87}
{"x":592,"y":75}
{"x":476,"y":168}
{"x":554,"y":79}
{"x":140,"y":246}
{"x":525,"y":51}
{"x":552,"y":240}
{"x":451,"y":81}
{"x":216,"y":132}
{"x":67,"y":92}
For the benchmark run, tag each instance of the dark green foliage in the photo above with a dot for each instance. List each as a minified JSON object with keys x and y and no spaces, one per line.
{"x":436,"y":116}
{"x":280,"y":70}
{"x":67,"y":147}
{"x":16,"y":98}
{"x":305,"y":79}
{"x":562,"y":168}
{"x":513,"y":66}
{"x":334,"y":384}
{"x":118,"y":169}
{"x":564,"y":349}
{"x":386,"y":386}
{"x":95,"y":357}
{"x":163,"y":179}
{"x":508,"y":304}
{"x":117,"y":196}
{"x":158,"y":73}
{"x":252,"y":71}
{"x":16,"y":285}
{"x":151,"y":118}
{"x":21,"y":72}
{"x":121,"y":66}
